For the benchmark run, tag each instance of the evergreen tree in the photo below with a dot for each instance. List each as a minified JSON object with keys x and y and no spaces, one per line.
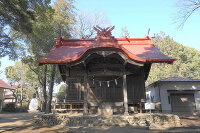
{"x":16,"y":15}
{"x":50,"y":23}
{"x":61,"y":93}
{"x":20,"y":75}
{"x":186,"y":64}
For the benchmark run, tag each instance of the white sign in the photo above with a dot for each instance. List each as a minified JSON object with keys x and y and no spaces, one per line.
{"x":149,"y":106}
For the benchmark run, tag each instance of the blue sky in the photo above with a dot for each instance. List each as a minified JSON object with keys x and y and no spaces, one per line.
{"x":138,"y":17}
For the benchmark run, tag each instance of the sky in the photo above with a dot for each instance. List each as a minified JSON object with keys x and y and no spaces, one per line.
{"x":138,"y":16}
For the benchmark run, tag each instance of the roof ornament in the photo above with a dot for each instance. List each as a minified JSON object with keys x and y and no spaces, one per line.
{"x":147,"y":36}
{"x":59,"y":42}
{"x":104,"y":33}
{"x":148,"y":32}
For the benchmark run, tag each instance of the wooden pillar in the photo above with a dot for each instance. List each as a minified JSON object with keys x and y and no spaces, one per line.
{"x":66,"y":85}
{"x":140,"y":106}
{"x":66,"y":90}
{"x":85,"y":106}
{"x":125,"y":95}
{"x":79,"y":89}
{"x":54,"y":107}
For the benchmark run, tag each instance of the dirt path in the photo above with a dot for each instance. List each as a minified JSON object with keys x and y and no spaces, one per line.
{"x":31,"y":129}
{"x":12,"y":120}
{"x":190,"y":121}
{"x":60,"y":129}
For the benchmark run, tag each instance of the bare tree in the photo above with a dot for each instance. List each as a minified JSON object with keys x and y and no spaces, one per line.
{"x":86,"y":20}
{"x":186,"y":9}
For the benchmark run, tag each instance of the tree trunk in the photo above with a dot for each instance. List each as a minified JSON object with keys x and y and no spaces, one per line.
{"x":44,"y":104}
{"x":15,"y":95}
{"x":51,"y":85}
{"x":21,"y":93}
{"x":38,"y":97}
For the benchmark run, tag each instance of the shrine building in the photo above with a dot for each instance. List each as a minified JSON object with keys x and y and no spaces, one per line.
{"x":105,"y":72}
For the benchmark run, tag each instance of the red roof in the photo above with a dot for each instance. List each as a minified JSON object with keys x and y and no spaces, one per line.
{"x":4,"y":85}
{"x":137,"y":49}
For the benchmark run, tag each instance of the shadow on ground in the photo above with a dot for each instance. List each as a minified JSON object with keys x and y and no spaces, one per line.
{"x":13,"y":120}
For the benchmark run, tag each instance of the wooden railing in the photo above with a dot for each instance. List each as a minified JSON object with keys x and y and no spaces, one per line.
{"x":68,"y":107}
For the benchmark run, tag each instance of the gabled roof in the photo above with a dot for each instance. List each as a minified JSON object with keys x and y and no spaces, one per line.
{"x":178,"y":79}
{"x":173,"y":79}
{"x":137,"y":49}
{"x":4,"y":85}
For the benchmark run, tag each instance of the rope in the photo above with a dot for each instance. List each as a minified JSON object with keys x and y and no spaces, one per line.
{"x":106,"y":81}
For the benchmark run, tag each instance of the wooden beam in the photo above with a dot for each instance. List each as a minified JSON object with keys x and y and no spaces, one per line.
{"x":85,"y":104}
{"x":104,"y":52}
{"x":106,"y":73}
{"x":125,"y":95}
{"x":79,"y":89}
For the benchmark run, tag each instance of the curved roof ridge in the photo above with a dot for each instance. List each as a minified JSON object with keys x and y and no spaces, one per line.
{"x":140,"y":51}
{"x":137,"y":49}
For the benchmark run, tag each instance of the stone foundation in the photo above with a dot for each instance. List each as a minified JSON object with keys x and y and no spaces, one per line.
{"x":167,"y":120}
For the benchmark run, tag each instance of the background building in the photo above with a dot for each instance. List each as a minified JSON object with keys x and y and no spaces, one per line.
{"x":176,"y":95}
{"x":3,"y":86}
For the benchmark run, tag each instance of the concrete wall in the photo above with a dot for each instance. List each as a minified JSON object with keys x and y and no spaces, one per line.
{"x":164,"y":86}
{"x":153,"y":92}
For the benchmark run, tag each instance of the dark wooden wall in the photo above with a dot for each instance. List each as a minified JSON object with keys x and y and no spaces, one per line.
{"x":74,"y":90}
{"x":103,"y":91}
{"x":100,"y":91}
{"x":135,"y":88}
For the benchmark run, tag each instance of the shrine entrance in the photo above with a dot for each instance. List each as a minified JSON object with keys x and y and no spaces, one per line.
{"x":107,"y":88}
